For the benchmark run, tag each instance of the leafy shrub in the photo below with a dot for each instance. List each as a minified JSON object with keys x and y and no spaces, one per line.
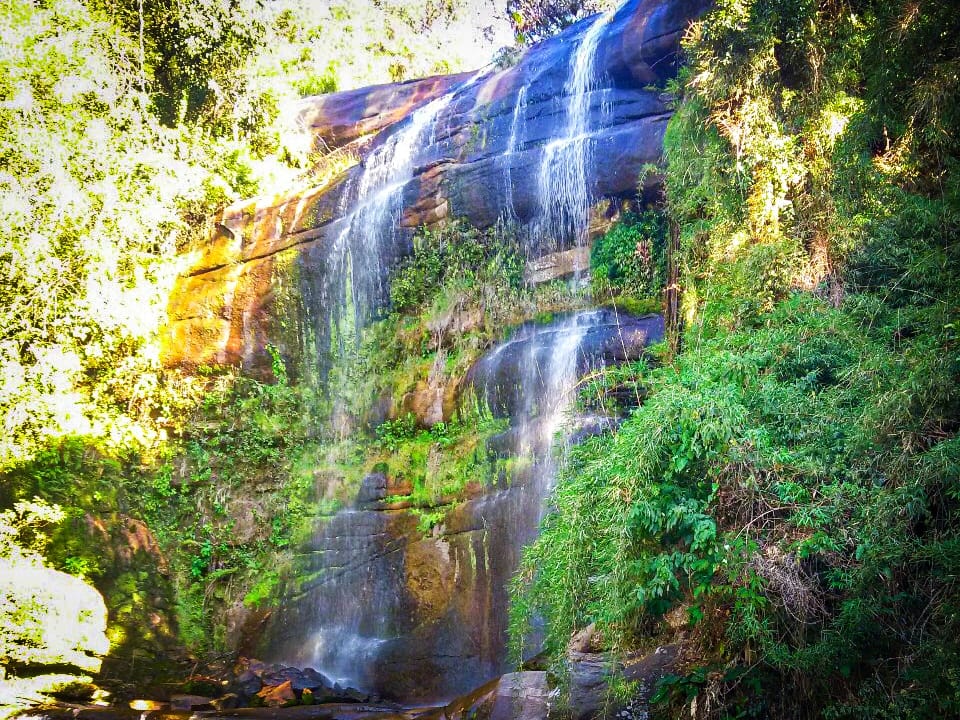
{"x":391,"y":434}
{"x":456,"y":253}
{"x":762,"y":485}
{"x":631,"y":256}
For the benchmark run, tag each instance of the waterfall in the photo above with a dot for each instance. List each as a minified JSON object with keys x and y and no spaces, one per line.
{"x":357,"y":612}
{"x":353,"y":588}
{"x":366,"y":238}
{"x":563,"y":192}
{"x":353,"y":561}
{"x":380,"y":604}
{"x":532,"y":378}
{"x":514,"y":145}
{"x":357,"y":602}
{"x":369,"y":233}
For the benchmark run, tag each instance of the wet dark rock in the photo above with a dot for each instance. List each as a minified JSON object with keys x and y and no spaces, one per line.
{"x":299,"y":679}
{"x":590,"y":426}
{"x":521,"y":696}
{"x":515,"y":696}
{"x":373,"y":488}
{"x":353,"y":695}
{"x":590,"y":675}
{"x":381,"y":409}
{"x":247,"y":684}
{"x":336,"y":119}
{"x":589,"y":680}
{"x":610,"y":338}
{"x":191,"y":702}
{"x":311,"y":679}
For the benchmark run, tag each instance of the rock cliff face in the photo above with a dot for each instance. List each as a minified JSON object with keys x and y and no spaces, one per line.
{"x":337,"y":119}
{"x":378,"y":604}
{"x":498,"y":146}
{"x":551,"y":146}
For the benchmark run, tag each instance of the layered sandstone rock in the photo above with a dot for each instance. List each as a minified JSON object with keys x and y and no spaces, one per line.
{"x":262,"y":278}
{"x":337,"y":119}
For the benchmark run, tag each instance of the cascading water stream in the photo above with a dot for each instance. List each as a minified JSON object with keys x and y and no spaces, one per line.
{"x":370,"y":230}
{"x":534,"y":378}
{"x":368,"y":606}
{"x":366,"y":238}
{"x":563,"y":191}
{"x":355,"y":570}
{"x":531,"y":380}
{"x":514,"y":144}
{"x":362,"y":580}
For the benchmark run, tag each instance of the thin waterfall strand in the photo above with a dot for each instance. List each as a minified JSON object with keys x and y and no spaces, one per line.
{"x":564,"y":196}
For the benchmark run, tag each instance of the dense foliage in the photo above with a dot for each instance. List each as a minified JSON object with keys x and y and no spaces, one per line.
{"x":457,"y":255}
{"x":788,"y":491}
{"x":629,"y":261}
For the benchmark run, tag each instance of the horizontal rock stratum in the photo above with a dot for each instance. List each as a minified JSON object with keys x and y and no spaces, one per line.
{"x":264,"y":277}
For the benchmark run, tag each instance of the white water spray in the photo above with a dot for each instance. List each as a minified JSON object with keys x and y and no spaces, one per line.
{"x":564,"y":196}
{"x":514,"y":145}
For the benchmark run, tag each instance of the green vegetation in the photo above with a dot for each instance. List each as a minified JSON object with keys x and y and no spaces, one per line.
{"x":457,"y":255}
{"x":628,"y":264}
{"x":788,"y":490}
{"x":230,"y":499}
{"x":459,"y":291}
{"x":123,"y":130}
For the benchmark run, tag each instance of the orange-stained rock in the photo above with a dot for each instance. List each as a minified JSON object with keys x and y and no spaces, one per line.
{"x":431,"y":402}
{"x":585,"y":641}
{"x":238,"y":289}
{"x":278,"y":695}
{"x":228,"y":315}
